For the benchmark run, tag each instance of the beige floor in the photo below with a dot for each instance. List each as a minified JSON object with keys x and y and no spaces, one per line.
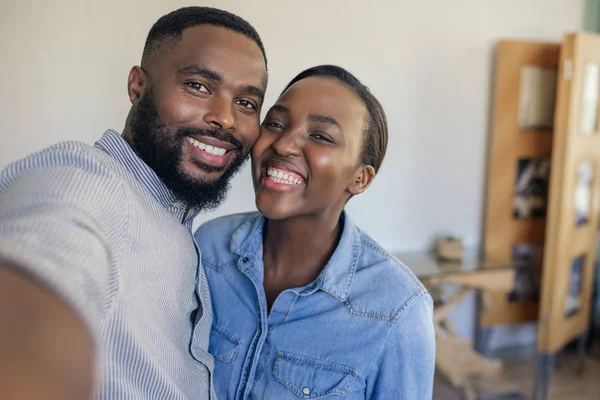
{"x":519,"y":374}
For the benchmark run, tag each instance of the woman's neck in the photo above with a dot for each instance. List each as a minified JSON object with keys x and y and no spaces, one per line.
{"x":295,"y":250}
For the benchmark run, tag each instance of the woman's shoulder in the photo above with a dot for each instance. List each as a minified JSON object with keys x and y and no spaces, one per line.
{"x":374,"y":255}
{"x":383,"y":281}
{"x":227,"y":223}
{"x":214,"y":237}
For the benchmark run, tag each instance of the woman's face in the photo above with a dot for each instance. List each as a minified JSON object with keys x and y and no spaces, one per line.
{"x":306,"y":160}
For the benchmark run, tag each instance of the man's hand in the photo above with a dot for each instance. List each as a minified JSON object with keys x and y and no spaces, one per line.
{"x":46,"y":351}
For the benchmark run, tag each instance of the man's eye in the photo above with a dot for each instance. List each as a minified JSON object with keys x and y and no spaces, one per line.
{"x":198,"y":87}
{"x":246,"y":104}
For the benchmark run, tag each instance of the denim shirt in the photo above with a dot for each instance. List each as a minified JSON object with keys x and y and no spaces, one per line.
{"x":362,"y":330}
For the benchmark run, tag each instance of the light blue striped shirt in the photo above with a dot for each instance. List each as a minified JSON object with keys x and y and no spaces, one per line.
{"x":96,"y":225}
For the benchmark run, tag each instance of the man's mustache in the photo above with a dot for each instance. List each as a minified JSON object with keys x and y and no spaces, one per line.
{"x":219,"y":134}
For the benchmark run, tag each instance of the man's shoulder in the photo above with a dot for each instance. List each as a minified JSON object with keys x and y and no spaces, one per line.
{"x":71,"y":173}
{"x":57,"y":159}
{"x":214,"y":237}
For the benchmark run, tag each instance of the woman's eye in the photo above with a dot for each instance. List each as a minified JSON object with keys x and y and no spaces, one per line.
{"x":275,"y":125}
{"x":246,"y":104}
{"x":198,"y":87}
{"x":321,"y":137}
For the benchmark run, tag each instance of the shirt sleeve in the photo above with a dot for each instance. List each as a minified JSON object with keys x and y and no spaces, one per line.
{"x":406,"y":365}
{"x":60,"y":225}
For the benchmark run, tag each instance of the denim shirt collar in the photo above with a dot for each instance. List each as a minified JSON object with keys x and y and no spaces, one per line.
{"x":337,"y":276}
{"x":117,"y":147}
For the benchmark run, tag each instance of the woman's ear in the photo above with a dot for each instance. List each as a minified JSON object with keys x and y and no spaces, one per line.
{"x":136,"y":84}
{"x":362,"y":179}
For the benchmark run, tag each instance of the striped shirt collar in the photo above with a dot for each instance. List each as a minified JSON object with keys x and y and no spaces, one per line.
{"x":118,"y":148}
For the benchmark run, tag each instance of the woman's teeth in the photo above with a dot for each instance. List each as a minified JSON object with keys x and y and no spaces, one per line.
{"x":282,"y":176}
{"x":216,"y":151}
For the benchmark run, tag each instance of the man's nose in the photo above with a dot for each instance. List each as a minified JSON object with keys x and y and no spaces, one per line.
{"x":220,"y":113}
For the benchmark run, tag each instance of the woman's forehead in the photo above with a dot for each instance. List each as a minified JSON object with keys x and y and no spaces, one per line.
{"x":325,"y":96}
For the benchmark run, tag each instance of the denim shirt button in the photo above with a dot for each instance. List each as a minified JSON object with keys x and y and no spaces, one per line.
{"x":306,"y":391}
{"x":245,"y":260}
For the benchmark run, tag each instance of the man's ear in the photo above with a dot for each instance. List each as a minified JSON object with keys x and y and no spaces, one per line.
{"x":362,"y":179}
{"x":136,"y":84}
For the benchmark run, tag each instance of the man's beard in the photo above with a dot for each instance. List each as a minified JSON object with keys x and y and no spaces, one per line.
{"x":161,"y":149}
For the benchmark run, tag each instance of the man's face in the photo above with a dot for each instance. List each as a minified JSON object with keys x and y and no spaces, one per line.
{"x":198,"y":113}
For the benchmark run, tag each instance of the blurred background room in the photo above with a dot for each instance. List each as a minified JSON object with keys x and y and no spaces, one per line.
{"x":489,"y":189}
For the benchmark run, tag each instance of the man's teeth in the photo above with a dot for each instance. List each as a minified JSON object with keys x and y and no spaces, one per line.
{"x":279,"y":176}
{"x":216,"y":151}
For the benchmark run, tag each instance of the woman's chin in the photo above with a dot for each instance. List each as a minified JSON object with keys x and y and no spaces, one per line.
{"x":273,"y":210}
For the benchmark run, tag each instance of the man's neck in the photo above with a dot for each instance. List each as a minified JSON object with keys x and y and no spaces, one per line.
{"x":126,"y":134}
{"x":185,"y":214}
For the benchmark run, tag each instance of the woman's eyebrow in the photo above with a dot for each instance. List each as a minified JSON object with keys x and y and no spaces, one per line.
{"x":325,"y":119}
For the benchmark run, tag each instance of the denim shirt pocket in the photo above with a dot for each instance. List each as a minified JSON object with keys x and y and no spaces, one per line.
{"x":310,"y":378}
{"x":223,"y":347}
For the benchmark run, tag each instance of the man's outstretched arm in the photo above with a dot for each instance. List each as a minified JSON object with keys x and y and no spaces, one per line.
{"x":63,"y":217}
{"x":45,"y":349}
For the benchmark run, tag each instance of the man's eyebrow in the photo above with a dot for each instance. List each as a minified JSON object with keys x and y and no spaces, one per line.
{"x":201,"y":71}
{"x":254,"y":91}
{"x":325,"y":119}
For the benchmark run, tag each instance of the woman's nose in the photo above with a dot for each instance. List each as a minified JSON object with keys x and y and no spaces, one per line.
{"x":288,"y":144}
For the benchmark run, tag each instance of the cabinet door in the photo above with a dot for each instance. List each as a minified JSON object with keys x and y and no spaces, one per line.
{"x":572,"y":222}
{"x":518,"y":174}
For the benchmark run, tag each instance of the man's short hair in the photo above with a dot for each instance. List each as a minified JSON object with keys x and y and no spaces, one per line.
{"x":170,"y":27}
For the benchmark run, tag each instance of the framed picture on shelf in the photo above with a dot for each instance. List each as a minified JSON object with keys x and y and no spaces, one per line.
{"x":583,"y":193}
{"x":531,"y":188}
{"x":573,"y":299}
{"x":528,"y":275}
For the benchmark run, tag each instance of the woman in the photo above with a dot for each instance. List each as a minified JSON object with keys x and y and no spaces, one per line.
{"x":305,"y":304}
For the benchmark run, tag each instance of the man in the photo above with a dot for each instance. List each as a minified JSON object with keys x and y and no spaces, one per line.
{"x":100,"y":287}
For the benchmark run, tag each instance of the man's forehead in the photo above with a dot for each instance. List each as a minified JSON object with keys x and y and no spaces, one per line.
{"x":232,"y":54}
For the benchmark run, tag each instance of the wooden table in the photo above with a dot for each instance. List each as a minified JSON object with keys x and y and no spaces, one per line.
{"x":456,"y":358}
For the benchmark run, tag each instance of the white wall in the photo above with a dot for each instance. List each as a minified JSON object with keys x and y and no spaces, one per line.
{"x":64,"y":65}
